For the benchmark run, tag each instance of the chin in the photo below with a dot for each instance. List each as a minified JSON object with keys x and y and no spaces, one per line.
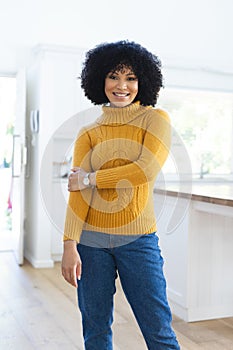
{"x":120,"y":104}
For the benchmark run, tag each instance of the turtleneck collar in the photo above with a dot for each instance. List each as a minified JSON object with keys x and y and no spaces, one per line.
{"x":120,"y":115}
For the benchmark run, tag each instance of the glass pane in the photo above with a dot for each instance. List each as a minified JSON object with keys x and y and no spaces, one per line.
{"x":203,"y":119}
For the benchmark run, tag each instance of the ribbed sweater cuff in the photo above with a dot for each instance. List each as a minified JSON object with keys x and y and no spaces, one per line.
{"x":73,"y":226}
{"x":72,"y":233}
{"x":106,"y":179}
{"x":66,"y":238}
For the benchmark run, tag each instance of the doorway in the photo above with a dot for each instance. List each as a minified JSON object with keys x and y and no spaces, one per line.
{"x":7,"y":121}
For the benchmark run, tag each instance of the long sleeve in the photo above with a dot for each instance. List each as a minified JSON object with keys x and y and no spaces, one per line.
{"x":155,"y":150}
{"x":79,"y":201}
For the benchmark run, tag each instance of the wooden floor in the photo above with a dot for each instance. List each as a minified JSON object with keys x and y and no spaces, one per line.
{"x":38,"y":311}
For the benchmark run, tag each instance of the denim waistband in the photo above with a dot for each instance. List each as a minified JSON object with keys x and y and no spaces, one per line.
{"x":106,"y":240}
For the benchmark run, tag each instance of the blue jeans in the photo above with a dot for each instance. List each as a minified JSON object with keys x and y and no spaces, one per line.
{"x":140,"y":268}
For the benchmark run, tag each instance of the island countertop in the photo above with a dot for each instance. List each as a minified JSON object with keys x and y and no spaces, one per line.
{"x":215,"y":193}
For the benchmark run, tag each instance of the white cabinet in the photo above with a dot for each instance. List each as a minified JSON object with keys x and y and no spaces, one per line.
{"x":60,"y":197}
{"x":53,"y":89}
{"x":197,"y":249}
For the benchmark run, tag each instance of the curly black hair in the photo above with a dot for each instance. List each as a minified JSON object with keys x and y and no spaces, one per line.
{"x":110,"y":57}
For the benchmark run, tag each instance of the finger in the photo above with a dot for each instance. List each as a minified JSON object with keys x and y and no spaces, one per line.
{"x":69,"y":277}
{"x":79,"y":271}
{"x":75,"y":168}
{"x":73,"y":278}
{"x":70,"y":177}
{"x":71,"y":181}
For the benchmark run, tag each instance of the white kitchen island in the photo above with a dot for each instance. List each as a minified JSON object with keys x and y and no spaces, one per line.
{"x":196,"y":239}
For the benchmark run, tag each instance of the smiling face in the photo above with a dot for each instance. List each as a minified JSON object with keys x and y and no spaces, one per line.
{"x":121,"y":87}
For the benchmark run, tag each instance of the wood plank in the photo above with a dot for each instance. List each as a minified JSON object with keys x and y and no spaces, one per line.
{"x":216,"y":345}
{"x":38,"y":309}
{"x":38,"y":302}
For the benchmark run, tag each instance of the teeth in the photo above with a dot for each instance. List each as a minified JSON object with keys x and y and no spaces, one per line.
{"x":119,"y":94}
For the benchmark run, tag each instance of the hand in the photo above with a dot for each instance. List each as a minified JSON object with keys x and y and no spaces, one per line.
{"x":71,"y":263}
{"x":75,"y":179}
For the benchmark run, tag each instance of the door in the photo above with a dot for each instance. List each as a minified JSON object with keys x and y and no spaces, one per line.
{"x":18,"y":168}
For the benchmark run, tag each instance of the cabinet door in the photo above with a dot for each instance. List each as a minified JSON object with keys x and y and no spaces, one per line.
{"x":60,"y":197}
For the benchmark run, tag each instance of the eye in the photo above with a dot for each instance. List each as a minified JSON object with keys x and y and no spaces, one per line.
{"x":112,"y":76}
{"x":132,"y":78}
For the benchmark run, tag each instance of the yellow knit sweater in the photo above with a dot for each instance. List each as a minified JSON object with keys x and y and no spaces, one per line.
{"x":126,"y":147}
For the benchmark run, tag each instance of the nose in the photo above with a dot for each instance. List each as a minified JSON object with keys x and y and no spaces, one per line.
{"x":122,"y":84}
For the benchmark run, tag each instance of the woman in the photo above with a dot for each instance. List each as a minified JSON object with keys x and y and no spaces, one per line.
{"x":110,"y":226}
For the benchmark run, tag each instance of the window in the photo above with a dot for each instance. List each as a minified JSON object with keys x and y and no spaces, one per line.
{"x":204,"y":122}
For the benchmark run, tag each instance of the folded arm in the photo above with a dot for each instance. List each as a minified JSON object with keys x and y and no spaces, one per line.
{"x":155,"y":150}
{"x":79,"y":201}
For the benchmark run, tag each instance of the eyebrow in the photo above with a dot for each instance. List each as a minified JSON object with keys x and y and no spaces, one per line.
{"x":131,"y":73}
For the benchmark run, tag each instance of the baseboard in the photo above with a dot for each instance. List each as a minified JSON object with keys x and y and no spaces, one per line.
{"x":178,"y":310}
{"x":210,"y":312}
{"x":38,"y":264}
{"x":57,"y":257}
{"x":201,"y":313}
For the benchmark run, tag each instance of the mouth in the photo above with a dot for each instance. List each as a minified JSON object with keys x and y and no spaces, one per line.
{"x":119,"y":94}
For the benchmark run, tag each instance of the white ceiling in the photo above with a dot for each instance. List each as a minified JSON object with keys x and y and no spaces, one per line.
{"x":180,"y":31}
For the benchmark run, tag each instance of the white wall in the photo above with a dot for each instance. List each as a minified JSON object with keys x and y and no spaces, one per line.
{"x":194,"y":33}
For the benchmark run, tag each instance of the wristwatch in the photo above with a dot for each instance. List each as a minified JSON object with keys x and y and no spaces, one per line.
{"x":86,"y":180}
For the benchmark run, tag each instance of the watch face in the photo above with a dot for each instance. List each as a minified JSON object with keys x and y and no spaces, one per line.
{"x":86,"y":180}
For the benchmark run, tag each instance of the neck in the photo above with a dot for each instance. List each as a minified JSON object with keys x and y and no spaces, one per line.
{"x":120,"y":115}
